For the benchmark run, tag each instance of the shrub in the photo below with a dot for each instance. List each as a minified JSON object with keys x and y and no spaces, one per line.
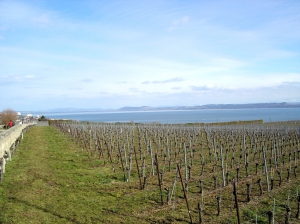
{"x":43,"y":118}
{"x":7,"y":115}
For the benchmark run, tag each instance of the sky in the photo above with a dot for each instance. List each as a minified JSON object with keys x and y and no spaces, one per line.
{"x":109,"y":54}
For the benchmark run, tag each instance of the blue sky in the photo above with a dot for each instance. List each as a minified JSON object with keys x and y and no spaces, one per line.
{"x":110,"y":54}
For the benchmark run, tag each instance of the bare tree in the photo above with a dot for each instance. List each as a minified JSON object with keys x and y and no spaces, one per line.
{"x":8,"y":115}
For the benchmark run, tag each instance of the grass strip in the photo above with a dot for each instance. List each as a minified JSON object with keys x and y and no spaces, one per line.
{"x":51,"y":180}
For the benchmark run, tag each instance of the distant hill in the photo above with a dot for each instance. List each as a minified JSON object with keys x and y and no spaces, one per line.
{"x":142,"y":108}
{"x":215,"y":106}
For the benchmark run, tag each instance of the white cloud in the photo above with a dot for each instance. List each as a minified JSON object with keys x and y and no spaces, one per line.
{"x":19,"y":14}
{"x":178,"y":23}
{"x":42,"y":20}
{"x":202,"y":88}
{"x":185,"y":19}
{"x":87,"y":80}
{"x":29,"y":76}
{"x":176,"y":79}
{"x":294,"y":84}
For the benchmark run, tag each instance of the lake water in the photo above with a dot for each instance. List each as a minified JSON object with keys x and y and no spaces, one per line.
{"x":184,"y":116}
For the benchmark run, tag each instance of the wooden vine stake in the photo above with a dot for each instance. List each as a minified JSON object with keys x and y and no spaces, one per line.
{"x":287,"y":215}
{"x":266,"y":169}
{"x":138,"y":170}
{"x":185,"y":167}
{"x":236,"y":200}
{"x":273,"y":221}
{"x":298,"y":206}
{"x":270,"y":216}
{"x":174,"y":186}
{"x":159,"y":179}
{"x":222,"y":166}
{"x":248,"y":192}
{"x":123,"y":168}
{"x":200,"y":213}
{"x":151,"y":155}
{"x":185,"y":195}
{"x":219,"y":204}
{"x":144,"y":173}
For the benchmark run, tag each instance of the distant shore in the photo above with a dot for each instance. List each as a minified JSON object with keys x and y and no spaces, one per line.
{"x":170,"y":108}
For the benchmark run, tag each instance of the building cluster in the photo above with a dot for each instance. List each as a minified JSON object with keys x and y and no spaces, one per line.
{"x":25,"y":119}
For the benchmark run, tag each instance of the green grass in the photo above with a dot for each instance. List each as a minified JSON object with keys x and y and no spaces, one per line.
{"x":51,"y":180}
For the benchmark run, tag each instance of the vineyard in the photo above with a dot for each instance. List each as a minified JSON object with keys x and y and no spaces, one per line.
{"x":213,"y":173}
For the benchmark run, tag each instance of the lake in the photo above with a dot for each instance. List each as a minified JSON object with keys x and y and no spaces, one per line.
{"x":184,"y":116}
